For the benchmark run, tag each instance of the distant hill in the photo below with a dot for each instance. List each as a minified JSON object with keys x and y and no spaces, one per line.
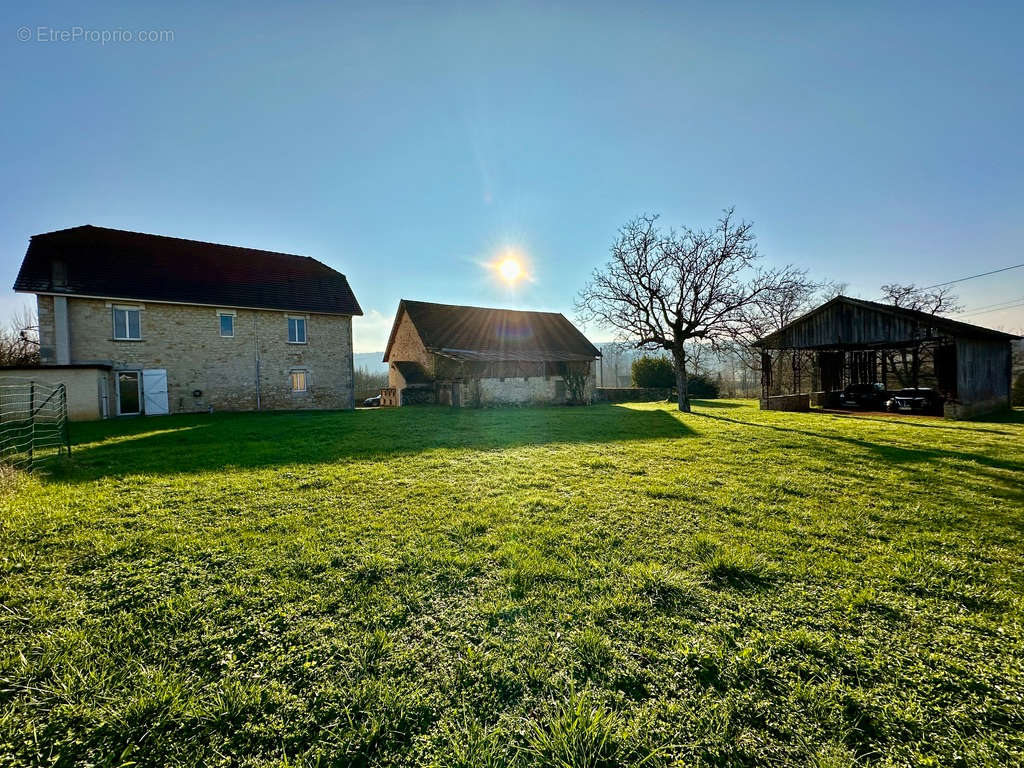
{"x":369,"y":362}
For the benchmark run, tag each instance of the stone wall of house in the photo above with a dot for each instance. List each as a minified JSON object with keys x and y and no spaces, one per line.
{"x":185,"y":340}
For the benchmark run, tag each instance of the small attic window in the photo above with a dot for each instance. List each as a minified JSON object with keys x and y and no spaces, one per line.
{"x":59,"y":273}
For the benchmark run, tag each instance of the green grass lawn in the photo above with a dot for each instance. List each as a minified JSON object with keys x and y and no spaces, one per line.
{"x":564,"y":587}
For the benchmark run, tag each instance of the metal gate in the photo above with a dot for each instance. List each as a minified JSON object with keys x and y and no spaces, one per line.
{"x":33,"y":422}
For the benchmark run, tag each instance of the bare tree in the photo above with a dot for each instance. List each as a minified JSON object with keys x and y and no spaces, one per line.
{"x":909,"y":296}
{"x":794,"y":295}
{"x":19,"y":340}
{"x":676,"y":290}
{"x":575,"y":376}
{"x":906,"y":362}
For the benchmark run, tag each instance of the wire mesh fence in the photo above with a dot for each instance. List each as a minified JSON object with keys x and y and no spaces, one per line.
{"x":33,"y":422}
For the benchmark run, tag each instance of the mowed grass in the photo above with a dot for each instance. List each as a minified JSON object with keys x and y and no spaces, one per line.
{"x":614,"y":585}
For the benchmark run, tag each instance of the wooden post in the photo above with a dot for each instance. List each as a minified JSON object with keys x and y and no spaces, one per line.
{"x":67,"y":421}
{"x":32,"y":420}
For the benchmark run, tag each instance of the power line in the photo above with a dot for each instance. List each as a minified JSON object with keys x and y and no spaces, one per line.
{"x":972,"y":277}
{"x":987,"y":311}
{"x":993,"y":306}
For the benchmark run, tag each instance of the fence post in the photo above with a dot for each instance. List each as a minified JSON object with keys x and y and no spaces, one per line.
{"x":32,"y":420}
{"x":67,"y":422}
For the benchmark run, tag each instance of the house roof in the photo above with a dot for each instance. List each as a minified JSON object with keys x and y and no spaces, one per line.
{"x":943,"y":325}
{"x":482,"y":334}
{"x":112,"y":263}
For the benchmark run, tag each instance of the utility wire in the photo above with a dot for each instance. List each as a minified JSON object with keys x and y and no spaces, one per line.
{"x":993,"y":306}
{"x":987,"y":311}
{"x":971,"y":277}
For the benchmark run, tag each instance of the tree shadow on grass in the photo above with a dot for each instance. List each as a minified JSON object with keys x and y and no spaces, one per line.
{"x":718,"y":404}
{"x":209,"y":442}
{"x":892,"y":453}
{"x":1004,"y":417}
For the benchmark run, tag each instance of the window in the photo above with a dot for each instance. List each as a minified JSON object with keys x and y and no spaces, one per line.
{"x":298,"y":381}
{"x":59,"y":273}
{"x":227,"y":325}
{"x":296,"y":330}
{"x":126,"y":323}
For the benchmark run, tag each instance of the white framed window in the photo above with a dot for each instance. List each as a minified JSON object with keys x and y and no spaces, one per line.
{"x":300,"y":381}
{"x":296,"y":330}
{"x":127,"y":323}
{"x":226,"y":321}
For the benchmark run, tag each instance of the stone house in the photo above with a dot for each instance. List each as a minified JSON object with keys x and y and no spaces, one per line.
{"x":175,"y":326}
{"x":473,"y":356}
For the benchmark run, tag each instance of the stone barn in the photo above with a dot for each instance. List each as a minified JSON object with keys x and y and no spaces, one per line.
{"x":852,"y":341}
{"x":473,"y":356}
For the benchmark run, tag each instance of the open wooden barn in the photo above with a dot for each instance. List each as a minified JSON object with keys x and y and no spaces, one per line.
{"x":852,"y":341}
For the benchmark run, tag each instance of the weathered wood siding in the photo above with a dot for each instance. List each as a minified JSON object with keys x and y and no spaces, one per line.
{"x":983,"y":370}
{"x":844,"y":325}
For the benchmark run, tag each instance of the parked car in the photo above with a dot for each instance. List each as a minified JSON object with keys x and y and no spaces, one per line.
{"x":921,"y":400}
{"x":372,"y":402}
{"x":871,"y":396}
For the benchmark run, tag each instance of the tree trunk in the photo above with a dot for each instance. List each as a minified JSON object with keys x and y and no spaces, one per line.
{"x":682,"y":394}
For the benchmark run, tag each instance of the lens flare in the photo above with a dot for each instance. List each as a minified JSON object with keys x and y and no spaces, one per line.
{"x":510,"y":269}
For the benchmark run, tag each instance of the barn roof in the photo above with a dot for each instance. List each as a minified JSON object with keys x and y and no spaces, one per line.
{"x":113,"y":263}
{"x":845,"y":320}
{"x":482,"y":334}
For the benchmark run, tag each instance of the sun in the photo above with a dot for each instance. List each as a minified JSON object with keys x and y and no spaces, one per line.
{"x":510,"y":269}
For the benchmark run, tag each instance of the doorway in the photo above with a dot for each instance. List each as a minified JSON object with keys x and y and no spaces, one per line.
{"x":128,"y":399}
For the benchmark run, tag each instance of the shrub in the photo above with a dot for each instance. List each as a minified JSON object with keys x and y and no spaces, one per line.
{"x":702,"y":387}
{"x":653,"y":371}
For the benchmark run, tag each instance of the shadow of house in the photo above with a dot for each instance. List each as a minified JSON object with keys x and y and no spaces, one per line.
{"x":215,"y":442}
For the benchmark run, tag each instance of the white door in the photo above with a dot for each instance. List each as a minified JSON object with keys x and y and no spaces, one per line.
{"x":154,"y":391}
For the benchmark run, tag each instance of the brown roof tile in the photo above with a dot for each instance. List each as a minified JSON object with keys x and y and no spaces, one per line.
{"x":112,"y":263}
{"x":478,"y":333}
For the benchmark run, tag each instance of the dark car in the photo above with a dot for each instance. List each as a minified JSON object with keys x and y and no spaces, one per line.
{"x":870,"y":396}
{"x":920,"y":400}
{"x":372,"y":402}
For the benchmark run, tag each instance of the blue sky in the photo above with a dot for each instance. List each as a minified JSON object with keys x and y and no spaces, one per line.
{"x":408,"y":144}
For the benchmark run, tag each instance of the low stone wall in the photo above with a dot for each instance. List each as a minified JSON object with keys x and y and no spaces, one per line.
{"x":630,"y":394}
{"x":801,"y":402}
{"x":825,"y":399}
{"x":969,"y":410}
